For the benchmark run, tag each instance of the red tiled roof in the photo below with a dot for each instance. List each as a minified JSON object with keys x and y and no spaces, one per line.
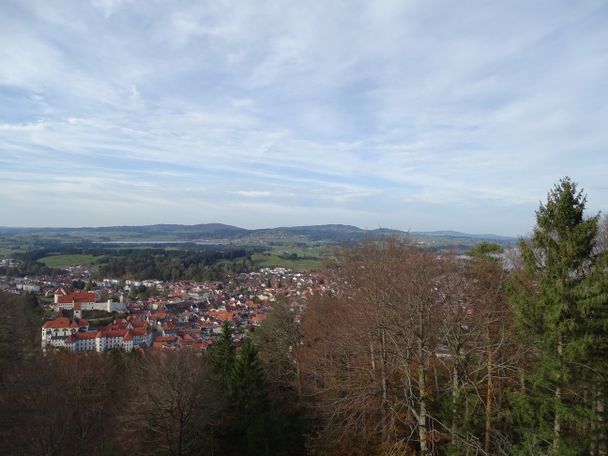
{"x":222,"y":315}
{"x":77,"y":297}
{"x":64,"y":322}
{"x":160,"y":343}
{"x":166,"y":339}
{"x":118,"y":326}
{"x":114,"y":333}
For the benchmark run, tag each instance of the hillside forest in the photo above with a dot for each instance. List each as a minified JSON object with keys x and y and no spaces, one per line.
{"x":417,"y":352}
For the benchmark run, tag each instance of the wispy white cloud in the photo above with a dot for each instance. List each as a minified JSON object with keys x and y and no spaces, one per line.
{"x":387,"y":113}
{"x":253,"y":193}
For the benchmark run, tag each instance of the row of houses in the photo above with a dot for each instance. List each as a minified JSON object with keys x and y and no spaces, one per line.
{"x":186,"y":316}
{"x":74,"y":335}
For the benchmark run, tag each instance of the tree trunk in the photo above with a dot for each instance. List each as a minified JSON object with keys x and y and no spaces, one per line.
{"x":383,"y":384}
{"x":422,"y":417}
{"x":455,"y":399}
{"x":383,"y":366}
{"x":489,"y":397}
{"x":180,"y":437}
{"x":589,"y":426}
{"x":372,"y":358}
{"x":557,"y":424}
{"x":602,"y":447}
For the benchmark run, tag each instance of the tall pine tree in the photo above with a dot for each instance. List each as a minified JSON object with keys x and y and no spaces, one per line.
{"x":249,"y":399}
{"x":223,"y":354}
{"x":550,"y":408}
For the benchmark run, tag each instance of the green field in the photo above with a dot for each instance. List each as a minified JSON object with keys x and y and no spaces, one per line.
{"x":69,"y":260}
{"x":270,"y":261}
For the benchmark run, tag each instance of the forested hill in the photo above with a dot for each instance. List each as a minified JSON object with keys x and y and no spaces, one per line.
{"x":219,"y":233}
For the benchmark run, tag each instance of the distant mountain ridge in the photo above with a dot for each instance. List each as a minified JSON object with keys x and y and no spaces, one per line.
{"x":206,"y":232}
{"x":457,"y":234}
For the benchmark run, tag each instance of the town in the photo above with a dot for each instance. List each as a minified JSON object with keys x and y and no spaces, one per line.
{"x":331,"y":350}
{"x":83,"y":314}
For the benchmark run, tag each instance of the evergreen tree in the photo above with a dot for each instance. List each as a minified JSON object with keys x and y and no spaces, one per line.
{"x":249,"y":398}
{"x":223,"y":354}
{"x":550,"y":411}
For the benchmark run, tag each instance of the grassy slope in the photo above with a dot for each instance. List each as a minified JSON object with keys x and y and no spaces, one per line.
{"x":69,"y":260}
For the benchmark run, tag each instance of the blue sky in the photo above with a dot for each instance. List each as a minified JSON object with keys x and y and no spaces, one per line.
{"x":421,"y":115}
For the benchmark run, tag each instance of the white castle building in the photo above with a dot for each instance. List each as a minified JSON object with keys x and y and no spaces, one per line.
{"x":74,"y":335}
{"x":87,"y":301}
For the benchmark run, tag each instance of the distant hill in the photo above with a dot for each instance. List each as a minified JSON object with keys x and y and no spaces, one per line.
{"x":457,"y":234}
{"x":220,"y":233}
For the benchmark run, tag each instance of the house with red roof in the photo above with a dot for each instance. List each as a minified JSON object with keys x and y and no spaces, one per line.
{"x":82,"y":341}
{"x":66,"y":301}
{"x":166,"y":342}
{"x":55,"y":332}
{"x":86,"y":300}
{"x":74,"y":335}
{"x":142,"y":336}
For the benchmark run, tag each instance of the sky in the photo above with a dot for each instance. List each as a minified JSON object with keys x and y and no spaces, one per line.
{"x":415,"y":115}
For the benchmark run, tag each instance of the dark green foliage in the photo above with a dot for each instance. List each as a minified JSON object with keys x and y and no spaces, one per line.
{"x":223,"y":354}
{"x":262,"y":417}
{"x":248,"y":392}
{"x":28,"y":268}
{"x":593,"y":305}
{"x":189,"y":261}
{"x":485,"y":249}
{"x":550,"y":316}
{"x":211,"y":264}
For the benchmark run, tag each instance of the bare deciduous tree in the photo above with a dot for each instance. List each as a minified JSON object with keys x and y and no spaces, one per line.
{"x":374,"y":347}
{"x":173,"y":405}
